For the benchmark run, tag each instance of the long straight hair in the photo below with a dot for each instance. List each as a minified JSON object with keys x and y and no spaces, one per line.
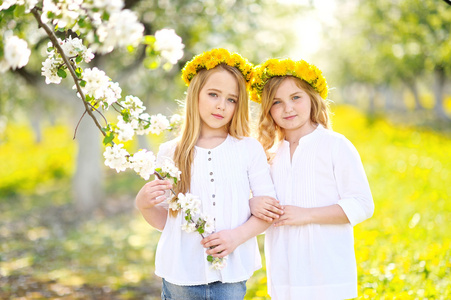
{"x":269,"y":132}
{"x":238,"y":126}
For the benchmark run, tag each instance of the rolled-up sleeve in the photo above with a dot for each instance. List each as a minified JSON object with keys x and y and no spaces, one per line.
{"x":353,"y":187}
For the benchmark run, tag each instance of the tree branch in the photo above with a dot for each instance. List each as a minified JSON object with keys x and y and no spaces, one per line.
{"x":54,"y":40}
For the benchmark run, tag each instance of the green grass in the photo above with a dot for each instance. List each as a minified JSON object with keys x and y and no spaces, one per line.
{"x":403,"y":251}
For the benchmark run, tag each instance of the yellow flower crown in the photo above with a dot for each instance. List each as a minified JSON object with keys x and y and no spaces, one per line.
{"x":210,"y":59}
{"x":282,"y":67}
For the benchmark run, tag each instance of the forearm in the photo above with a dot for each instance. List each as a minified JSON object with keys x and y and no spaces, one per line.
{"x":332,"y":214}
{"x":253,"y":227}
{"x":155,"y":216}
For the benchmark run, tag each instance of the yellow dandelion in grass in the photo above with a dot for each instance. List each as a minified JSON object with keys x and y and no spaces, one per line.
{"x":210,"y":59}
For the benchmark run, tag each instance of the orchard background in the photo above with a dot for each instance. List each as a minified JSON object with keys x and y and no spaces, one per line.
{"x":68,"y":226}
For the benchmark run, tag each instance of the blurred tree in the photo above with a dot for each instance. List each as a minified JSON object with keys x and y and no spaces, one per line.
{"x":245,"y":26}
{"x":386,"y":42}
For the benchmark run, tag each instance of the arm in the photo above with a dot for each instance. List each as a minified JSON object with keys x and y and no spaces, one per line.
{"x":266,"y":208}
{"x":355,"y":203}
{"x":224,"y":242}
{"x":352,"y":184}
{"x":147,"y":200}
{"x":294,"y":215}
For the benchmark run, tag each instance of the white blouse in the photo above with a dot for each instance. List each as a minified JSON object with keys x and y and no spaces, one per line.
{"x":317,"y":261}
{"x":223,"y":178}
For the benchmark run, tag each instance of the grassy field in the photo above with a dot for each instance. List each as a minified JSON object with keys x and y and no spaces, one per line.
{"x":403,"y":251}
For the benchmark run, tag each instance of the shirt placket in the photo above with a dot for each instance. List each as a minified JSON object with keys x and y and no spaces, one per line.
{"x":212,"y":185}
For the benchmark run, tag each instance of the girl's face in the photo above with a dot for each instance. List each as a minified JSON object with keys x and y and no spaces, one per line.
{"x":217,"y":100}
{"x":291,"y":107}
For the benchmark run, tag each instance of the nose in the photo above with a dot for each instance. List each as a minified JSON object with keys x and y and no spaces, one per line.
{"x":288,"y":107}
{"x":221,"y":104}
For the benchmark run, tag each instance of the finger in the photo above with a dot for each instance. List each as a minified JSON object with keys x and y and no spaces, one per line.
{"x":164,"y":184}
{"x":157,"y":196}
{"x":278,"y":224}
{"x":265,"y":218}
{"x":216,"y":250}
{"x":271,"y":215}
{"x":209,"y":241}
{"x":222,"y":254}
{"x":276,"y":209}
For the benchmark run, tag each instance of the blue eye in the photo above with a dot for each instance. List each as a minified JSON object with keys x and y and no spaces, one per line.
{"x":213,"y":94}
{"x":296,"y":97}
{"x":231,"y":100}
{"x":275,"y":102}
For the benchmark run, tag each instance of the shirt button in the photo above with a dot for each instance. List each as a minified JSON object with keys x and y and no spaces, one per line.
{"x":211,"y":173}
{"x":213,"y":196}
{"x":209,"y":152}
{"x":209,"y":158}
{"x":214,"y":203}
{"x":212,"y":180}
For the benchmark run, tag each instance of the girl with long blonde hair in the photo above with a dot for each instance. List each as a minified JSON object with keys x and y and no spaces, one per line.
{"x":320,"y":183}
{"x":221,"y":165}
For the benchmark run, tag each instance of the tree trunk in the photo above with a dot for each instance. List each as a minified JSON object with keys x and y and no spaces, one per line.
{"x":372,"y":100}
{"x":389,"y":98}
{"x":35,"y":117}
{"x":88,"y":178}
{"x":87,"y":189}
{"x":439,"y":85}
{"x":412,"y":86}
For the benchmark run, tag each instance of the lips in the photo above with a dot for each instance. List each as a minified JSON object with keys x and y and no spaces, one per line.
{"x":290,"y":117}
{"x":219,"y":117}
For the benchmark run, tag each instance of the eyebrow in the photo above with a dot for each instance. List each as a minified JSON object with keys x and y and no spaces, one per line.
{"x":290,"y":95}
{"x":219,"y":91}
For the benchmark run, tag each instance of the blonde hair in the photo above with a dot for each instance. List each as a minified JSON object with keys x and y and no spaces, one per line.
{"x":269,"y":132}
{"x":238,"y":127}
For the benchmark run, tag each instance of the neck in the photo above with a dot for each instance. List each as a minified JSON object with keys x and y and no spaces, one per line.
{"x":212,"y":133}
{"x":293,"y":136}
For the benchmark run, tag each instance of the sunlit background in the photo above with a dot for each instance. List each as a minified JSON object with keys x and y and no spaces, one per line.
{"x":68,"y":226}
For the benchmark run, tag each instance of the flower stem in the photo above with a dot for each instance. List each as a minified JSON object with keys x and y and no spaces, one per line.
{"x":162,"y":178}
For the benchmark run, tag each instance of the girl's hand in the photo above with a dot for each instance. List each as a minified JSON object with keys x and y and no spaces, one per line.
{"x":266,"y":208}
{"x":221,"y":243}
{"x":293,"y":215}
{"x":151,"y":193}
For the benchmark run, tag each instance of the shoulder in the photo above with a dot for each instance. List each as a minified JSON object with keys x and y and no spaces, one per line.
{"x":339,"y":145}
{"x":248,"y":143}
{"x":168,"y":148}
{"x":335,"y":137}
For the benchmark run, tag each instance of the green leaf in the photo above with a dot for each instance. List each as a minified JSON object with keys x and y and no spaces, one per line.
{"x":105,"y":16}
{"x":19,"y":11}
{"x":210,"y":258}
{"x":82,"y":83}
{"x":61,"y":73}
{"x":200,"y":230}
{"x":78,"y":59}
{"x":78,"y":72}
{"x":108,"y":139}
{"x":81,"y":22}
{"x":10,"y":9}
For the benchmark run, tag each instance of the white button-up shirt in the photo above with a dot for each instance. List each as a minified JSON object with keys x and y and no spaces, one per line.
{"x":317,"y":261}
{"x":223,"y":178}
